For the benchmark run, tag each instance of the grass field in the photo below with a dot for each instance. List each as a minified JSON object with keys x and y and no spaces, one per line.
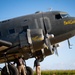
{"x":58,"y":72}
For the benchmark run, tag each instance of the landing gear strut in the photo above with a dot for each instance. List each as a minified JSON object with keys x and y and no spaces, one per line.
{"x":8,"y":69}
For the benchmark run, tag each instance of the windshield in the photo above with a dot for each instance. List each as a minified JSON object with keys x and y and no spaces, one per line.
{"x":64,"y":15}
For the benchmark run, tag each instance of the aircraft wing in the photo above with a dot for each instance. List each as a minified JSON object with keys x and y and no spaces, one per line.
{"x":5,"y":43}
{"x":8,"y":53}
{"x":6,"y":49}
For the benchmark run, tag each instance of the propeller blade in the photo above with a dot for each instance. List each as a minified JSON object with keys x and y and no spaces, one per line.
{"x":55,"y":49}
{"x":69,"y":44}
{"x":48,"y":43}
{"x":56,"y":52}
{"x":46,"y":35}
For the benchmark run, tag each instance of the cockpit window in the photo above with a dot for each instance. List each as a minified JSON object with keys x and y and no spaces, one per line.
{"x":58,"y":16}
{"x":64,"y":15}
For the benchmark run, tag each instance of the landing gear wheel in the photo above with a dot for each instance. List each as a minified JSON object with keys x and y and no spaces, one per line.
{"x":29,"y":71}
{"x":12,"y":69}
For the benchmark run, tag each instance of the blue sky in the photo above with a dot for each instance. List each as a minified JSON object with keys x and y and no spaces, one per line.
{"x":14,"y":8}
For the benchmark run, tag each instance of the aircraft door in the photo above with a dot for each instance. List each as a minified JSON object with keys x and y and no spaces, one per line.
{"x":23,"y":37}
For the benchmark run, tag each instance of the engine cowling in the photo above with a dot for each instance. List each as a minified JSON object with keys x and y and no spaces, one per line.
{"x":38,"y":43}
{"x":35,"y":38}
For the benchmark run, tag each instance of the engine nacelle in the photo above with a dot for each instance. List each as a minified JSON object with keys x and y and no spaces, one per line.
{"x":35,"y":38}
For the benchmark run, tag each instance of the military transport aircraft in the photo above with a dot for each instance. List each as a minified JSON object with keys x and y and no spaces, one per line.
{"x":33,"y":35}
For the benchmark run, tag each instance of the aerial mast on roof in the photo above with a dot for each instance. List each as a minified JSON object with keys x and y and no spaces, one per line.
{"x":50,"y":9}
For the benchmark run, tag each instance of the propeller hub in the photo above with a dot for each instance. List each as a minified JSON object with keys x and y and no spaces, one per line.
{"x":50,"y":36}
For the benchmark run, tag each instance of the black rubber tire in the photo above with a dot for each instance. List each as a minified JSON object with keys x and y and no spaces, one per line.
{"x":12,"y":69}
{"x":29,"y":71}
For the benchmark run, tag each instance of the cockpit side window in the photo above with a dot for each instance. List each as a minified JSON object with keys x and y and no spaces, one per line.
{"x":58,"y":16}
{"x":11,"y":31}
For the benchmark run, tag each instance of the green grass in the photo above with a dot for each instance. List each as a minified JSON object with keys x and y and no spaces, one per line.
{"x":58,"y":72}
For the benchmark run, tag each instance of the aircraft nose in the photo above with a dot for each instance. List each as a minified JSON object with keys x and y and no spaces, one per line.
{"x":73,"y":21}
